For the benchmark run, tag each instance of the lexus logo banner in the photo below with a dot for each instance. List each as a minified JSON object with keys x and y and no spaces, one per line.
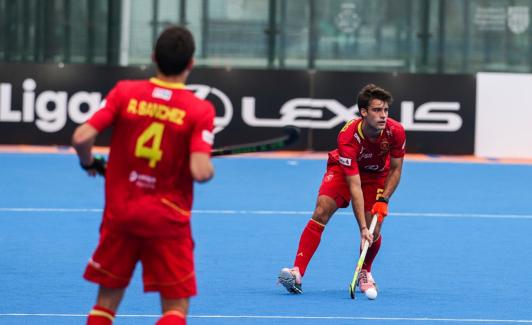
{"x":437,"y":111}
{"x":42,"y":104}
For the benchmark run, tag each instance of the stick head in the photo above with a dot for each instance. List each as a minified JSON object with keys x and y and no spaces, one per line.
{"x":352,"y":291}
{"x":293,"y":133}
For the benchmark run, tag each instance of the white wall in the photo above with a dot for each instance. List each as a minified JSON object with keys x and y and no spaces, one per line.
{"x":504,"y":115}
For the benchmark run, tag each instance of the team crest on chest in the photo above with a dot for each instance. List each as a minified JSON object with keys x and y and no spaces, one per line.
{"x":385,"y":147}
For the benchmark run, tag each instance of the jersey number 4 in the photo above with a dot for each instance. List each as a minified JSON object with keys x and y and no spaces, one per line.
{"x":149,"y":144}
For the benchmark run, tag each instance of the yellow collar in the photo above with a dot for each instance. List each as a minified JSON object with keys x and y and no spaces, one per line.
{"x":360,"y":133}
{"x":171,"y":85}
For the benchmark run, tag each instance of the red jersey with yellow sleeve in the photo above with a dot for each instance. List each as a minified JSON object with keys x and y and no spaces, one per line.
{"x":156,"y":126}
{"x":356,"y":154}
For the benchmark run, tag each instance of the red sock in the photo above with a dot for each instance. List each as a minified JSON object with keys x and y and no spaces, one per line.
{"x":372,"y":252}
{"x":100,"y":316}
{"x":308,"y":243}
{"x":173,"y":317}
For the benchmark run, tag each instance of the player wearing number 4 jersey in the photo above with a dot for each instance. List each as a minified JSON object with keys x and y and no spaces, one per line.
{"x":365,"y":169}
{"x":161,"y":143}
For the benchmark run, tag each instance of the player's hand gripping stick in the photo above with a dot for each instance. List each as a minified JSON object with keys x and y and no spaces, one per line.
{"x":99,"y":165}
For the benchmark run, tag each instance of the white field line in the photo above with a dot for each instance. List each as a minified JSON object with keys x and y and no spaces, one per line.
{"x":51,"y":210}
{"x":291,"y":212}
{"x":331,"y":318}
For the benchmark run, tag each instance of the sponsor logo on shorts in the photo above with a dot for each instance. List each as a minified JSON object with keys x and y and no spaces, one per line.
{"x":345,"y":161}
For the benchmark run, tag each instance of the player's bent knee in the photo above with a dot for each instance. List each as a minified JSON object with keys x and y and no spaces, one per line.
{"x":325,"y":208}
{"x":321,"y":215}
{"x":180,"y":305}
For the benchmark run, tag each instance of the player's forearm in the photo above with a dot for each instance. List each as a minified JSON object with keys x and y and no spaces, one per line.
{"x":201,"y":167}
{"x":84,"y":152}
{"x":393,"y":178}
{"x":358,"y":208}
{"x":357,"y":200}
{"x":83,"y":141}
{"x":392,"y":181}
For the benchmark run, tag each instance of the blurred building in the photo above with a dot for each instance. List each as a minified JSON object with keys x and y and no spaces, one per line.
{"x":418,"y":36}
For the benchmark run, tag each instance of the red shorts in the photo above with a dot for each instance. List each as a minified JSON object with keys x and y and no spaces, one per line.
{"x":167,"y":263}
{"x":335,"y":186}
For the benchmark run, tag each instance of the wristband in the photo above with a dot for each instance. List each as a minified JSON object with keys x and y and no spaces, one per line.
{"x":382,"y":199}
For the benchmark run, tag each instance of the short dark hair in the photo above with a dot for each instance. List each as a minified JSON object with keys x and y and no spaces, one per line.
{"x":370,"y":92}
{"x":173,"y":50}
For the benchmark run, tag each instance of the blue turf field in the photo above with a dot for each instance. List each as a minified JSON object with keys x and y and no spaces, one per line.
{"x":456,"y":248}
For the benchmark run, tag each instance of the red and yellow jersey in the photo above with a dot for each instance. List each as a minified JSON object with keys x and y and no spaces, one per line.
{"x":156,"y":126}
{"x":356,"y":154}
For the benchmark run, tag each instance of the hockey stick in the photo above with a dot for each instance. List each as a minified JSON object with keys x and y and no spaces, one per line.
{"x":353,"y":285}
{"x":291,"y":136}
